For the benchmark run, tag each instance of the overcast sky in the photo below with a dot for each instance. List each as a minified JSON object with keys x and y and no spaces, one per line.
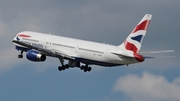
{"x":108,"y":21}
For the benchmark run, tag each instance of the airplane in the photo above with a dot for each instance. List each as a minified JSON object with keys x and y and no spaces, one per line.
{"x":81,"y":53}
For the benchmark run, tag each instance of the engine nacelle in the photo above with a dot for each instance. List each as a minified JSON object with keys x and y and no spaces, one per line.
{"x":34,"y":56}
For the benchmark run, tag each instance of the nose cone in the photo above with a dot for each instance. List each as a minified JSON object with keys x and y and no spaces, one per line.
{"x":15,"y":39}
{"x":139,"y":57}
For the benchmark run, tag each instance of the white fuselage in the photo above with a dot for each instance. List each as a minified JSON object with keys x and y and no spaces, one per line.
{"x":87,"y":52}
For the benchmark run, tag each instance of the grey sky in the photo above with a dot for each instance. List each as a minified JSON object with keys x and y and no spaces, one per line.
{"x":108,"y":21}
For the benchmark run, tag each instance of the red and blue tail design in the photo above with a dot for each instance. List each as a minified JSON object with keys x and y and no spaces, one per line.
{"x":134,"y":40}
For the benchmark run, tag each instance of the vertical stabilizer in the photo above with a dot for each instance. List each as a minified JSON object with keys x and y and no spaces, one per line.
{"x":134,"y":40}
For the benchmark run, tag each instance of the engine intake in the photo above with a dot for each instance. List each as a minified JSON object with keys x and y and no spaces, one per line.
{"x":35,"y":56}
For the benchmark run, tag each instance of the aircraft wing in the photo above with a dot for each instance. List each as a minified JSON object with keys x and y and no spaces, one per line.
{"x":54,"y":53}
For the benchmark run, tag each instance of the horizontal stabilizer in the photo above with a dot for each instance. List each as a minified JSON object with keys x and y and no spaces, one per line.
{"x":154,"y":52}
{"x":149,"y":57}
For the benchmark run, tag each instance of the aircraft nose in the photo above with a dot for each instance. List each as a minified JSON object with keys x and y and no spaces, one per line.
{"x":15,"y":38}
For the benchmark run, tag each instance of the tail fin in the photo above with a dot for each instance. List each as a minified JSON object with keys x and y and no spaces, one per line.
{"x":134,"y":40}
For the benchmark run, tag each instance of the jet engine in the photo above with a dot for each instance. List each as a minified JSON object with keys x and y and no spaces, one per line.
{"x":35,"y":56}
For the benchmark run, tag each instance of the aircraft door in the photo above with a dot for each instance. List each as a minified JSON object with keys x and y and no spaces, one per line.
{"x":44,"y":43}
{"x":76,"y":49}
{"x":107,"y":54}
